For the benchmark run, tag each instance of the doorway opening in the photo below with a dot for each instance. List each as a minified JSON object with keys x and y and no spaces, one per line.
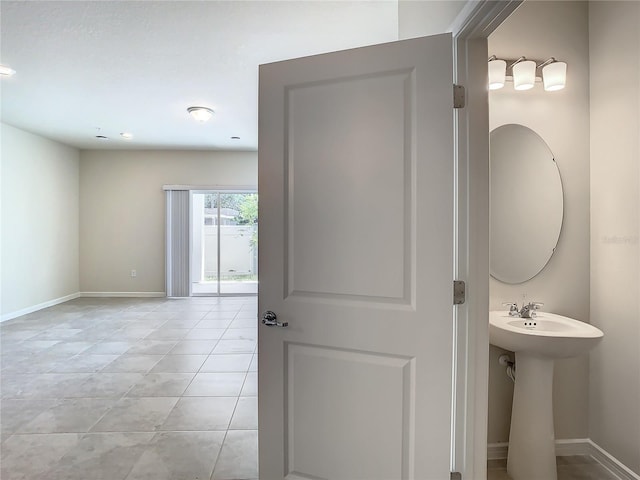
{"x":224,"y":243}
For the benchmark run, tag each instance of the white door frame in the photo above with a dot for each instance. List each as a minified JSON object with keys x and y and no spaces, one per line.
{"x":471,"y":30}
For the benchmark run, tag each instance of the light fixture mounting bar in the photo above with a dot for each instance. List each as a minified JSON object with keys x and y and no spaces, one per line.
{"x":546,"y":62}
{"x":514,"y":61}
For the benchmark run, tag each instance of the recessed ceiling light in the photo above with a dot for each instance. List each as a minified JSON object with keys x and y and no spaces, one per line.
{"x":202,"y":114}
{"x":6,"y":71}
{"x":126,"y":135}
{"x":235,"y":138}
{"x":102,"y":137}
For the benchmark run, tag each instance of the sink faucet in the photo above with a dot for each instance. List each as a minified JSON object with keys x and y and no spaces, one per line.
{"x":513,"y":309}
{"x":527,"y":311}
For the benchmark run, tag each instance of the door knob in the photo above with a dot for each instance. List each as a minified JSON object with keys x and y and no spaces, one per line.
{"x":270,"y":319}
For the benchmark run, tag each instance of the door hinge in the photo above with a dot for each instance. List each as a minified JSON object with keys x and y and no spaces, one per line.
{"x":459,"y":292}
{"x":459,"y":96}
{"x":456,"y":476}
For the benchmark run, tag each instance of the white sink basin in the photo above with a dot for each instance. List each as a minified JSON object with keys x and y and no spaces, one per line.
{"x":537,"y":343}
{"x":549,"y":335}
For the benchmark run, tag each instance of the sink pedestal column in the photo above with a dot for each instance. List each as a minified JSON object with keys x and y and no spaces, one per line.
{"x":532,"y":450}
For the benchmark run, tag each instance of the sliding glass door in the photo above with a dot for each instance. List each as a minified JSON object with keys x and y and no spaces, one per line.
{"x":224,"y":243}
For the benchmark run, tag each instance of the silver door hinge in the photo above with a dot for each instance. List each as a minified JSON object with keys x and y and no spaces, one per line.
{"x":459,"y":292}
{"x":459,"y":96}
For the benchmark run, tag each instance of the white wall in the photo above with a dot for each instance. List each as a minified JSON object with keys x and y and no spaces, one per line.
{"x":122,"y":210}
{"x":540,"y":30}
{"x":614,"y":412}
{"x":39,"y":220}
{"x":420,"y":18}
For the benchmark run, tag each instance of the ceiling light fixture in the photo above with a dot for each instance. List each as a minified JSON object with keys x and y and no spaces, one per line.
{"x":126,"y":135}
{"x":201,"y":114}
{"x":6,"y":71}
{"x":523,"y":73}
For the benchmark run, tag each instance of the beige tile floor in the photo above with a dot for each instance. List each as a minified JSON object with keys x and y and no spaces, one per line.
{"x":575,"y":467}
{"x":131,"y":389}
{"x":144,"y":389}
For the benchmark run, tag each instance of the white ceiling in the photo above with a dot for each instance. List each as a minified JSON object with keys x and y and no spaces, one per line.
{"x":136,"y":66}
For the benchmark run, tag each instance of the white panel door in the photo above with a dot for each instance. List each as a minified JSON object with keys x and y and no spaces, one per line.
{"x":356,"y":175}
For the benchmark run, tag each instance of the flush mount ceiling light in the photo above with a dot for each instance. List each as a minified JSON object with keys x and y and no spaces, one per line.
{"x":6,"y":71}
{"x":201,"y":114}
{"x":523,"y":73}
{"x":126,"y":135}
{"x":497,"y":72}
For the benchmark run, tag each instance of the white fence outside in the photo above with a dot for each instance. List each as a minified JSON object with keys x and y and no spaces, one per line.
{"x":237,"y":255}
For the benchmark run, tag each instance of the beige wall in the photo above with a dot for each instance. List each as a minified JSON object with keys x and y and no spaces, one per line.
{"x":614,"y":413}
{"x":540,"y":30}
{"x":39,"y":233}
{"x":122,"y":210}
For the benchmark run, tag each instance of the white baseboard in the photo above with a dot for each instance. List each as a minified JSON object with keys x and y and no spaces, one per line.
{"x":611,"y":463}
{"x":575,"y":446}
{"x":124,"y":294}
{"x":40,"y":306}
{"x":56,"y":301}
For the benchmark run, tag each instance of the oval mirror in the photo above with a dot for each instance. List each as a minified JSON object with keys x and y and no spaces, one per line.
{"x":526,"y":203}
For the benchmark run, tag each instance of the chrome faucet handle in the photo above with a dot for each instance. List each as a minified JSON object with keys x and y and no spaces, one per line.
{"x":513,"y":308}
{"x":529,"y":310}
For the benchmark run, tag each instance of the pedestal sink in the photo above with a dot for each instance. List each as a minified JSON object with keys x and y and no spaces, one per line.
{"x":537,"y":342}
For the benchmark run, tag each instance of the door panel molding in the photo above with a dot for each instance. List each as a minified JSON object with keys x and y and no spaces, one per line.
{"x":315,"y":375}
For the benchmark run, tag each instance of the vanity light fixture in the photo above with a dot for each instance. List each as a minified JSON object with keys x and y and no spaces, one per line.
{"x":523,"y":73}
{"x":554,"y":74}
{"x":202,"y":114}
{"x":497,"y":72}
{"x":6,"y":71}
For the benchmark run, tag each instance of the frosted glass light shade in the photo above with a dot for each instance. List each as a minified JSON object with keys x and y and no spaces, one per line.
{"x":201,"y":114}
{"x":554,"y":76}
{"x":524,"y":75}
{"x":497,"y":73}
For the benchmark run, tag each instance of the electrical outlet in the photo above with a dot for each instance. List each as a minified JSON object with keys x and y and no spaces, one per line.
{"x":133,"y":273}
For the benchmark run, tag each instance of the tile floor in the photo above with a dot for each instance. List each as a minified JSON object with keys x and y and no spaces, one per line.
{"x":144,"y":389}
{"x":575,"y":467}
{"x":131,"y":389}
